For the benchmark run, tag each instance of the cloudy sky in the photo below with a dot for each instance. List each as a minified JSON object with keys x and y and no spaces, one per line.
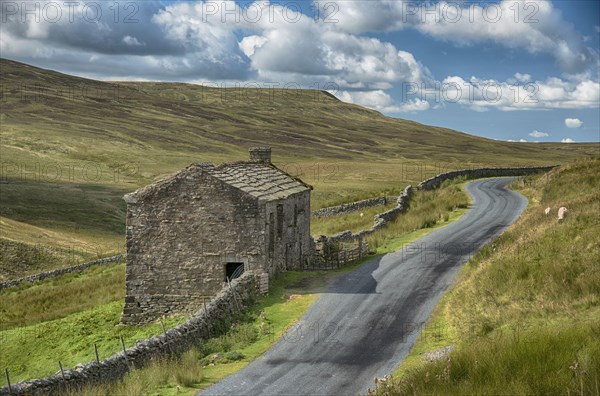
{"x":509,"y":70}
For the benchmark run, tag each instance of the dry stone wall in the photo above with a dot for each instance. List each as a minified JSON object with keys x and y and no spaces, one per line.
{"x":220,"y":311}
{"x":60,"y":271}
{"x":436,"y":181}
{"x":352,"y":206}
{"x":381,"y":219}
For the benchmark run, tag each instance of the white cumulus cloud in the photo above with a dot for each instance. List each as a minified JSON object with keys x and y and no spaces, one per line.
{"x":129,"y":40}
{"x":381,"y":101}
{"x":538,"y":134}
{"x":567,"y":140}
{"x":553,"y":93}
{"x":523,"y":77}
{"x":535,"y":26}
{"x":573,"y":122}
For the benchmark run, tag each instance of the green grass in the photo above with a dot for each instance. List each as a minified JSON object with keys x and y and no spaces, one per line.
{"x":560,"y":359}
{"x":524,"y":313}
{"x":28,"y":304}
{"x":33,"y":351}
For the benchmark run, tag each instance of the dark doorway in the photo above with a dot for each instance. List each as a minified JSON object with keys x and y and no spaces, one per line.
{"x":233,"y":270}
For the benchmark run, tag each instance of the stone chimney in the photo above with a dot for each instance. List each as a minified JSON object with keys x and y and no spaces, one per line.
{"x":260,"y":154}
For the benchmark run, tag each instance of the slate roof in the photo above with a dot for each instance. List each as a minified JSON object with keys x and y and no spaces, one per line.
{"x":263,"y":181}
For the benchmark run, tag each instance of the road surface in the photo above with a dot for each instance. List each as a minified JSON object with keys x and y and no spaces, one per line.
{"x":367,"y":321}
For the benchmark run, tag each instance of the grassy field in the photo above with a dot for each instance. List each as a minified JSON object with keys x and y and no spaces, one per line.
{"x":71,"y":148}
{"x":62,"y":318}
{"x":524,"y":315}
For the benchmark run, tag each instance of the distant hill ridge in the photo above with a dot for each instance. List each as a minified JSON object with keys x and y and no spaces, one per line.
{"x":64,"y":116}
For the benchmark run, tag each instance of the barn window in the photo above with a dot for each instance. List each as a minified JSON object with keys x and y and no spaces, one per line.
{"x":279,"y":220}
{"x":233,"y":270}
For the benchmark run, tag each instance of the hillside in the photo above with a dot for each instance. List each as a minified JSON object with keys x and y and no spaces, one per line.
{"x":183,"y":120}
{"x":72,"y":147}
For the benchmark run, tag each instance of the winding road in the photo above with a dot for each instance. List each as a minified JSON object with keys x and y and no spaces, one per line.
{"x":367,"y":321}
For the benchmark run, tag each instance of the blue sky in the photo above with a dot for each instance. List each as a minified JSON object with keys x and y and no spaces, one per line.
{"x":509,"y":70}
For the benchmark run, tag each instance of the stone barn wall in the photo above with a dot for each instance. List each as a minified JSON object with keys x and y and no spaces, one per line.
{"x":288,"y":240}
{"x":179,"y":240}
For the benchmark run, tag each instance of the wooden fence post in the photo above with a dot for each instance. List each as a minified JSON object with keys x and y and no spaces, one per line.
{"x":96,"y":352}
{"x":62,"y":372}
{"x":8,"y":380}
{"x":124,"y":352}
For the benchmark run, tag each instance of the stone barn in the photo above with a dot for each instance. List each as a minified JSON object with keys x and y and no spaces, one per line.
{"x":188,"y":233}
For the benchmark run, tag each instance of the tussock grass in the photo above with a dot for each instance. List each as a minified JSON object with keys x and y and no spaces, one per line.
{"x":539,"y":360}
{"x":166,"y":374}
{"x":525,"y":312}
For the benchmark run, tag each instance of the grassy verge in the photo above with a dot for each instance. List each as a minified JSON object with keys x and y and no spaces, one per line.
{"x":523,"y":315}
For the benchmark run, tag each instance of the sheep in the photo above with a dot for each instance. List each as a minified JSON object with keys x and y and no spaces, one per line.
{"x":562,"y":213}
{"x":547,"y":210}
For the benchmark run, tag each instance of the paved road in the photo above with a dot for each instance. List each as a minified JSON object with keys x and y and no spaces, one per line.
{"x":366,"y":323}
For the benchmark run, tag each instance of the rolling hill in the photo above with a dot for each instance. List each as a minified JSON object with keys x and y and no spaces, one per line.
{"x":71,"y":147}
